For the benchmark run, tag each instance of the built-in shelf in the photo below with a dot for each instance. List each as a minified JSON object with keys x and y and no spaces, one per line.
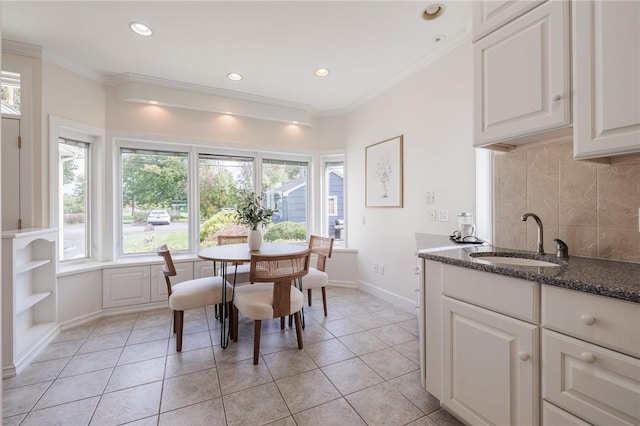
{"x":31,"y":337}
{"x":31,"y":265}
{"x":29,"y":315}
{"x":24,"y":304}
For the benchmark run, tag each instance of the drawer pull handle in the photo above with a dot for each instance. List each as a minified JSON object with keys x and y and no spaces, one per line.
{"x":588,"y":319}
{"x":588,"y":357}
{"x":556,"y":98}
{"x":523,"y":356}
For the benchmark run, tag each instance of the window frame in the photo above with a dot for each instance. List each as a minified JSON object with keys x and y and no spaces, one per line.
{"x":88,"y":170}
{"x":324,"y":198}
{"x":152,"y":146}
{"x":61,"y":128}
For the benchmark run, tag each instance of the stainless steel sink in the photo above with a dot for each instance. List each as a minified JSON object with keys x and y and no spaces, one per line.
{"x":517,"y":259}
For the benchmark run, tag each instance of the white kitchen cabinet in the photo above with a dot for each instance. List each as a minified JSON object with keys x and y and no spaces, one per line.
{"x":184,"y":271}
{"x":522,"y":89}
{"x":554,"y":416}
{"x":431,"y":293}
{"x":606,"y":78}
{"x":597,"y":384}
{"x":29,"y":291}
{"x":489,"y":15}
{"x":490,"y":366}
{"x":128,"y":285}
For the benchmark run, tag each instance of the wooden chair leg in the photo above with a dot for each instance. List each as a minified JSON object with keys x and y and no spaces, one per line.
{"x":309,"y":296}
{"x":234,"y":324}
{"x":256,"y":341}
{"x":298,"y":329}
{"x":324,"y":300}
{"x":281,"y":323}
{"x":179,"y":323}
{"x":175,"y":320}
{"x":290,"y":320}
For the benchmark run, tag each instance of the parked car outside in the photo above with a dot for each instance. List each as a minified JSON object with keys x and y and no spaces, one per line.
{"x":159,"y":217}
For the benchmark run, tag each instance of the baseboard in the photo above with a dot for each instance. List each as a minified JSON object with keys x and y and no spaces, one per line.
{"x":134,"y":308}
{"x":348,"y":284}
{"x":399,"y":301}
{"x":33,"y":353}
{"x":82,"y":320}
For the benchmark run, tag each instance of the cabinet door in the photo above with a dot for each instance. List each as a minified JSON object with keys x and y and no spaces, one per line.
{"x":490,"y":364}
{"x":184,"y":272}
{"x":130,"y":285}
{"x":489,"y":15}
{"x":554,"y":416}
{"x":606,"y":74}
{"x":521,"y":77}
{"x":599,"y":385}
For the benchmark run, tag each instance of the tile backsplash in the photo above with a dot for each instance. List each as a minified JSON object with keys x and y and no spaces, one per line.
{"x":592,"y":207}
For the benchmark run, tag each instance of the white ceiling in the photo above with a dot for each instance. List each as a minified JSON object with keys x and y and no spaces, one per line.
{"x":274,"y":45}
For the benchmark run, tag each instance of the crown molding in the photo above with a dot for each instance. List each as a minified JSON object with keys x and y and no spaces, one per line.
{"x":459,"y":40}
{"x":74,"y":67}
{"x":126,"y":78}
{"x":22,"y":49}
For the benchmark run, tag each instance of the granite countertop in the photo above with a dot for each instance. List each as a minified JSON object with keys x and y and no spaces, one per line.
{"x":620,"y":280}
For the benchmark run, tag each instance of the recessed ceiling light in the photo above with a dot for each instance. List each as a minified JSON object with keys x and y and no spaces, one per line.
{"x":153,"y":102}
{"x":322,"y":72}
{"x":433,"y":11}
{"x":234,"y":76}
{"x":439,"y":38}
{"x":140,"y":29}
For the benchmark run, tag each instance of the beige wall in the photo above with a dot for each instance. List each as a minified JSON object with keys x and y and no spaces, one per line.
{"x":592,"y":207}
{"x":433,"y":110}
{"x":220,"y":130}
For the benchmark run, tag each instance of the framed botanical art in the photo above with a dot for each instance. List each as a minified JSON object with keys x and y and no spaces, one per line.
{"x":383,"y":173}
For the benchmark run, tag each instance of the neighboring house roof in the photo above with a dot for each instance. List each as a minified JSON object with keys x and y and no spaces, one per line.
{"x":337,"y":173}
{"x":287,"y":188}
{"x":8,"y":109}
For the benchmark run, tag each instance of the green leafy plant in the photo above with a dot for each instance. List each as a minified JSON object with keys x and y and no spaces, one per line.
{"x":251,"y":212}
{"x":286,"y":232}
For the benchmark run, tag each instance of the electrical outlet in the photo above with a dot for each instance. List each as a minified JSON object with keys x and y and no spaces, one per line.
{"x":431,"y":197}
{"x":432,"y":215}
{"x":381,"y":269}
{"x":375,"y":268}
{"x":443,"y":216}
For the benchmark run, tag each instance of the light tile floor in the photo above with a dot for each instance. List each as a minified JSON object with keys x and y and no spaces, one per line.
{"x":359,"y":366}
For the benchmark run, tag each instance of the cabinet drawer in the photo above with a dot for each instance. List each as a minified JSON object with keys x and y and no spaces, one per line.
{"x":602,"y":320}
{"x":600,"y":385}
{"x":511,"y":296}
{"x":488,"y":15}
{"x":554,"y":416}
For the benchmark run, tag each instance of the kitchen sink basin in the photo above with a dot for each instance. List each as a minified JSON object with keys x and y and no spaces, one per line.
{"x":513,"y":259}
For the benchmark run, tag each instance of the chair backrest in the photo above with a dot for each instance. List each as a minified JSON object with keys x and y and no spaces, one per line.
{"x":281,"y":270}
{"x":323,"y":247}
{"x":168,"y":269}
{"x":231,"y":239}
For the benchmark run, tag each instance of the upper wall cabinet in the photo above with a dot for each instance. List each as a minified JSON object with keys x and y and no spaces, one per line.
{"x":522,"y":79}
{"x":489,"y":15}
{"x":606,"y":77}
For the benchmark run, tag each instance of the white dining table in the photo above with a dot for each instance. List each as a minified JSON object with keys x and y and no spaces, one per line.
{"x":237,"y":253}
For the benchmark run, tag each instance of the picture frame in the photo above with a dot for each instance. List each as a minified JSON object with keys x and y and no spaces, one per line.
{"x":384,"y":173}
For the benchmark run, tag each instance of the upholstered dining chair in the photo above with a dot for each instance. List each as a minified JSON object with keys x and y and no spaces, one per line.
{"x":239,"y":273}
{"x":317,"y":277}
{"x":190,"y":294}
{"x":272,"y":295}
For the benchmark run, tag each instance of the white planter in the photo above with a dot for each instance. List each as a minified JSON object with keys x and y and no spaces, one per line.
{"x":255,"y":239}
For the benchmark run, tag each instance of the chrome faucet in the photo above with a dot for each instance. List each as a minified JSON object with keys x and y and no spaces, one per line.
{"x":540,"y":234}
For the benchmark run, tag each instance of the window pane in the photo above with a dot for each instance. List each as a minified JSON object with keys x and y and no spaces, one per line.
{"x":154,"y":200}
{"x":220,"y":180}
{"x":334,"y":184}
{"x":11,"y":94}
{"x":74,"y":173}
{"x":285,"y":186}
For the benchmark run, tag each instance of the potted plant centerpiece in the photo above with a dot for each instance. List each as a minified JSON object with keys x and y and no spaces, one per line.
{"x":252,"y":213}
